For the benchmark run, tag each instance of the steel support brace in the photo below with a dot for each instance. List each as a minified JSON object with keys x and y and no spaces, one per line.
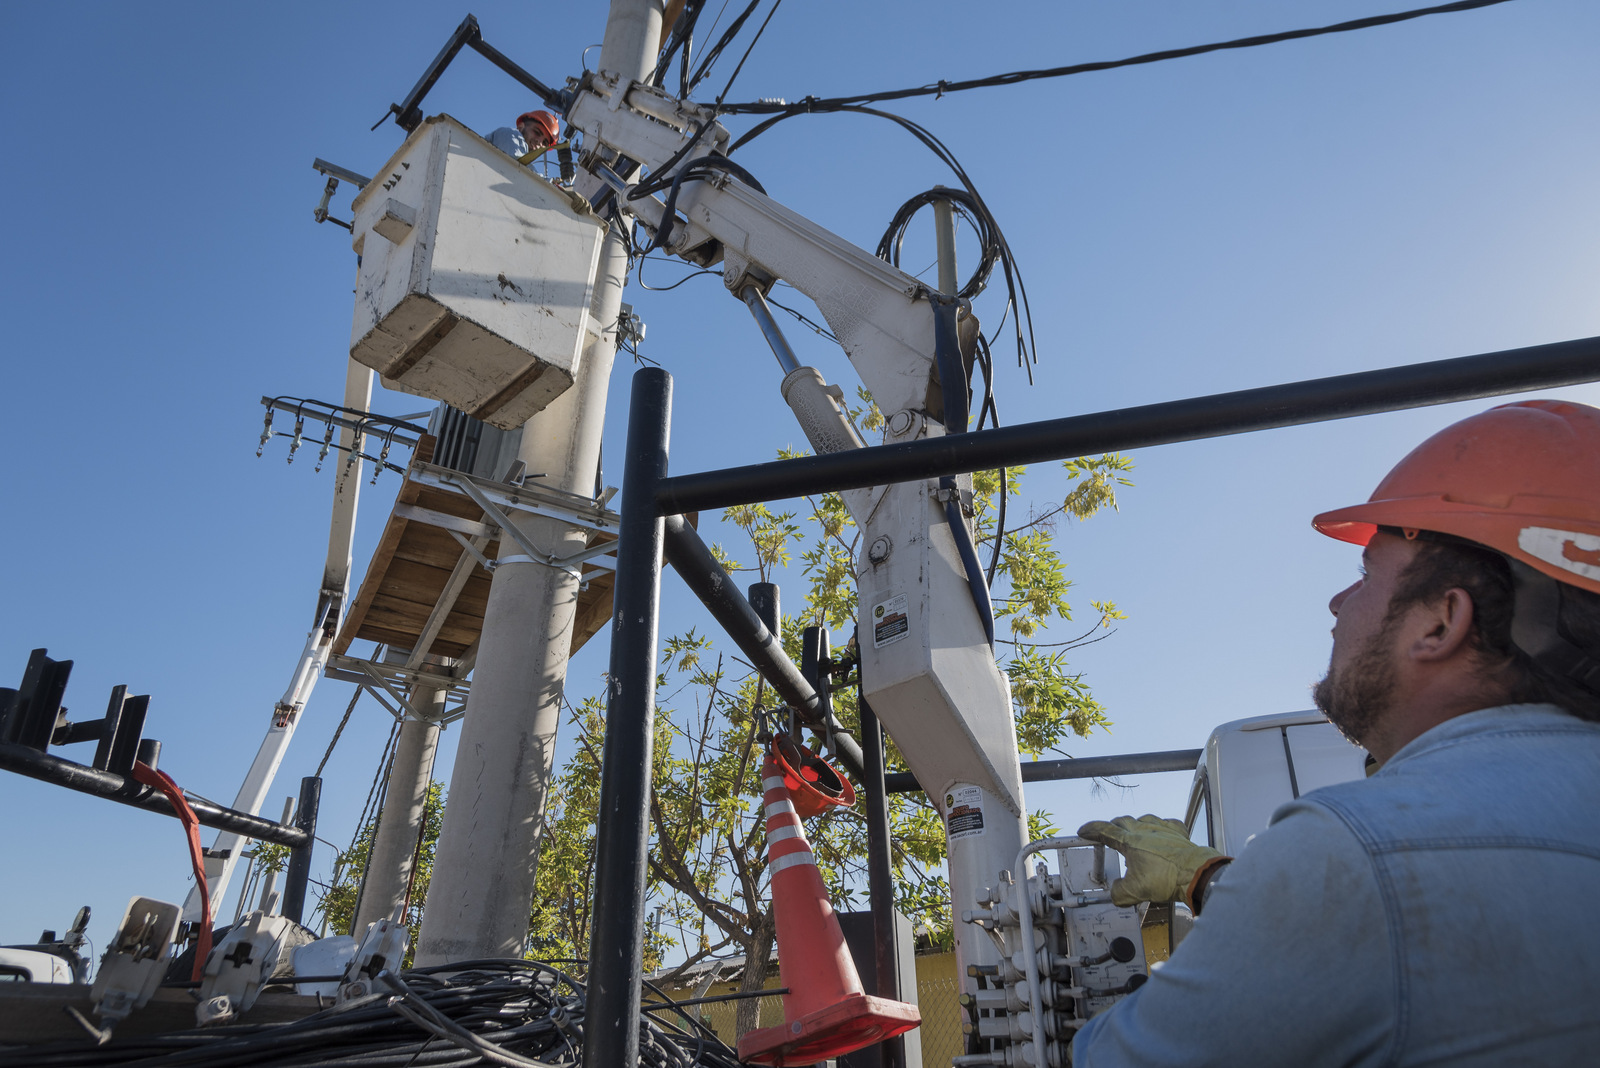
{"x":121,"y":788}
{"x":693,"y":562}
{"x":622,"y":862}
{"x":903,"y":782}
{"x":305,"y":819}
{"x":880,"y":876}
{"x":1493,"y":374}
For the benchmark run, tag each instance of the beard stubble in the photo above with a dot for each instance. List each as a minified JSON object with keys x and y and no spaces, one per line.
{"x":1356,"y":696}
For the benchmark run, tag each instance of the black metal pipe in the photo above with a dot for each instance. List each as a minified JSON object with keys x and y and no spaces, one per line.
{"x":551,"y":97}
{"x":111,"y":729}
{"x":408,"y":113}
{"x":765,"y":602}
{"x":32,"y":716}
{"x":763,"y":598}
{"x":815,"y":650}
{"x":693,"y":562}
{"x":123,"y":748}
{"x":113,"y":787}
{"x":621,"y":863}
{"x":880,"y":875}
{"x":1493,"y":374}
{"x":305,"y":819}
{"x":903,"y":782}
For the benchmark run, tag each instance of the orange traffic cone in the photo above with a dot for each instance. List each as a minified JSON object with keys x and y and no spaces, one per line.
{"x":825,"y":1012}
{"x":814,"y":787}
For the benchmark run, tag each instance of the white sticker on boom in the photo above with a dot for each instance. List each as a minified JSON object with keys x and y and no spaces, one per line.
{"x":963,"y":812}
{"x":1567,"y":549}
{"x":890,"y":621}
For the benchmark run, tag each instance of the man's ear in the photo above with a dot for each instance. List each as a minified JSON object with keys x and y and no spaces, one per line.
{"x":1443,"y":626}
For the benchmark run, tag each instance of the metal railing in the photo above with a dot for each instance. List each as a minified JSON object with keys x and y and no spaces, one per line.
{"x":650,"y":496}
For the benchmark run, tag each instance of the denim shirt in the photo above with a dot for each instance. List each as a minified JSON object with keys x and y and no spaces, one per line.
{"x":508,"y":139}
{"x":1442,"y":911}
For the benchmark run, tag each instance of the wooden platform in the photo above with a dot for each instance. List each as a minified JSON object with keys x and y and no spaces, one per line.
{"x":417,"y":563}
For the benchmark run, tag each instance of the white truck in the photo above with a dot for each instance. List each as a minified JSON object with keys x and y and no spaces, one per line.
{"x":1250,"y":767}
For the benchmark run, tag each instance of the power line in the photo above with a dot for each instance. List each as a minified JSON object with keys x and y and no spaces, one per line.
{"x":941,"y":87}
{"x":752,"y":47}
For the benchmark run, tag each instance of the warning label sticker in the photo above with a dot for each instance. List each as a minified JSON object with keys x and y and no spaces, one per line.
{"x":963,"y":812}
{"x":890,"y":621}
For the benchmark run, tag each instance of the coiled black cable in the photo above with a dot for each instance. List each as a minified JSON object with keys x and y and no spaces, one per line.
{"x":510,"y":1012}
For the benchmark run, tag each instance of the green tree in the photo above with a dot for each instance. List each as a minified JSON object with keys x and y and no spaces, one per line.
{"x":339,"y":900}
{"x":708,"y":880}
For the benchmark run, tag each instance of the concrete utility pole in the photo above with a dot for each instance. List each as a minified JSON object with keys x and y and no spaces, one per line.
{"x":404,"y":806}
{"x":487,"y":856}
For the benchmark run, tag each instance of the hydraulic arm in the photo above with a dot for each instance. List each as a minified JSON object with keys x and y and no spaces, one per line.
{"x":926,"y":661}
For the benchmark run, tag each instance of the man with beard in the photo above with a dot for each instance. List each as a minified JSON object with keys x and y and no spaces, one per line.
{"x":1439,"y":911}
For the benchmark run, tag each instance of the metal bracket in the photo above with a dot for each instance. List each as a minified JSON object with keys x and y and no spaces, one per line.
{"x":538,"y":500}
{"x":382,"y":681}
{"x":509,"y":529}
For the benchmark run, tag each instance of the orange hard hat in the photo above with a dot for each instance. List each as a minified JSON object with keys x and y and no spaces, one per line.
{"x":813,"y":785}
{"x":1522,"y":479}
{"x":546,"y":122}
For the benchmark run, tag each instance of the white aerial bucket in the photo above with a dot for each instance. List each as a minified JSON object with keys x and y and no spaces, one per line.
{"x":475,"y":276}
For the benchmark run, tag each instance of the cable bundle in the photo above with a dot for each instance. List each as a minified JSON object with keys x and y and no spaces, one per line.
{"x":504,"y":1012}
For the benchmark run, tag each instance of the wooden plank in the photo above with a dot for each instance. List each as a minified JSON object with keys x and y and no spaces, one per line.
{"x":441,"y":500}
{"x":423,"y":584}
{"x":413,"y":563}
{"x":371,"y":632}
{"x":454,"y":586}
{"x":387,"y":544}
{"x":472,"y":601}
{"x":434,"y":547}
{"x":461,"y":631}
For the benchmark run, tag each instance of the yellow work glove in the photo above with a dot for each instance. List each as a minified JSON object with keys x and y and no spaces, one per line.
{"x":1163,"y":865}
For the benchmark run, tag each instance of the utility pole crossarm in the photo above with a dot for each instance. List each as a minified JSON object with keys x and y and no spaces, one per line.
{"x":881,"y":315}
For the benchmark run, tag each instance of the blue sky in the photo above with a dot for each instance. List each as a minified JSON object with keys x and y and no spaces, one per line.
{"x":1351,"y":202}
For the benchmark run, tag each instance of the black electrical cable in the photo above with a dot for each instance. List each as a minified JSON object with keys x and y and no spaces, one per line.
{"x":939,"y":88}
{"x":804,"y":320}
{"x":986,"y":364}
{"x":991,"y":249}
{"x":1018,"y":293}
{"x":953,"y":390}
{"x":695,"y":169}
{"x":351,"y":707}
{"x":708,"y":60}
{"x":682,"y":37}
{"x":984,"y":223}
{"x":748,"y":49}
{"x":662,"y":289}
{"x":514,"y":1012}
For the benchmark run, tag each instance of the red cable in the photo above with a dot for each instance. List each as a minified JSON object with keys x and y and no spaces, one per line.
{"x":160,"y":780}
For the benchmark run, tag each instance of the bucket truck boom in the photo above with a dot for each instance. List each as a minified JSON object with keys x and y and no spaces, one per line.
{"x":926,"y":663}
{"x":332,"y":600}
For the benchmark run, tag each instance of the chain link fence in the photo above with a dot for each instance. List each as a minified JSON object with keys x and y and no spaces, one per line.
{"x":937,"y":990}
{"x":941,"y":1017}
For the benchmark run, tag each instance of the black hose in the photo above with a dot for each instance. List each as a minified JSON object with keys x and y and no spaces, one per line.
{"x":469,"y":1012}
{"x":953,"y":389}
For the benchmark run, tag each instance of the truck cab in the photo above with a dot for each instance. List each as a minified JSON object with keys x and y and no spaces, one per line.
{"x":18,"y":965}
{"x":1249,"y":767}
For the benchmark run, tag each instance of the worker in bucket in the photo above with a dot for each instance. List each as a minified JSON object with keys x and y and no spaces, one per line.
{"x":536,"y":133}
{"x":1441,"y":910}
